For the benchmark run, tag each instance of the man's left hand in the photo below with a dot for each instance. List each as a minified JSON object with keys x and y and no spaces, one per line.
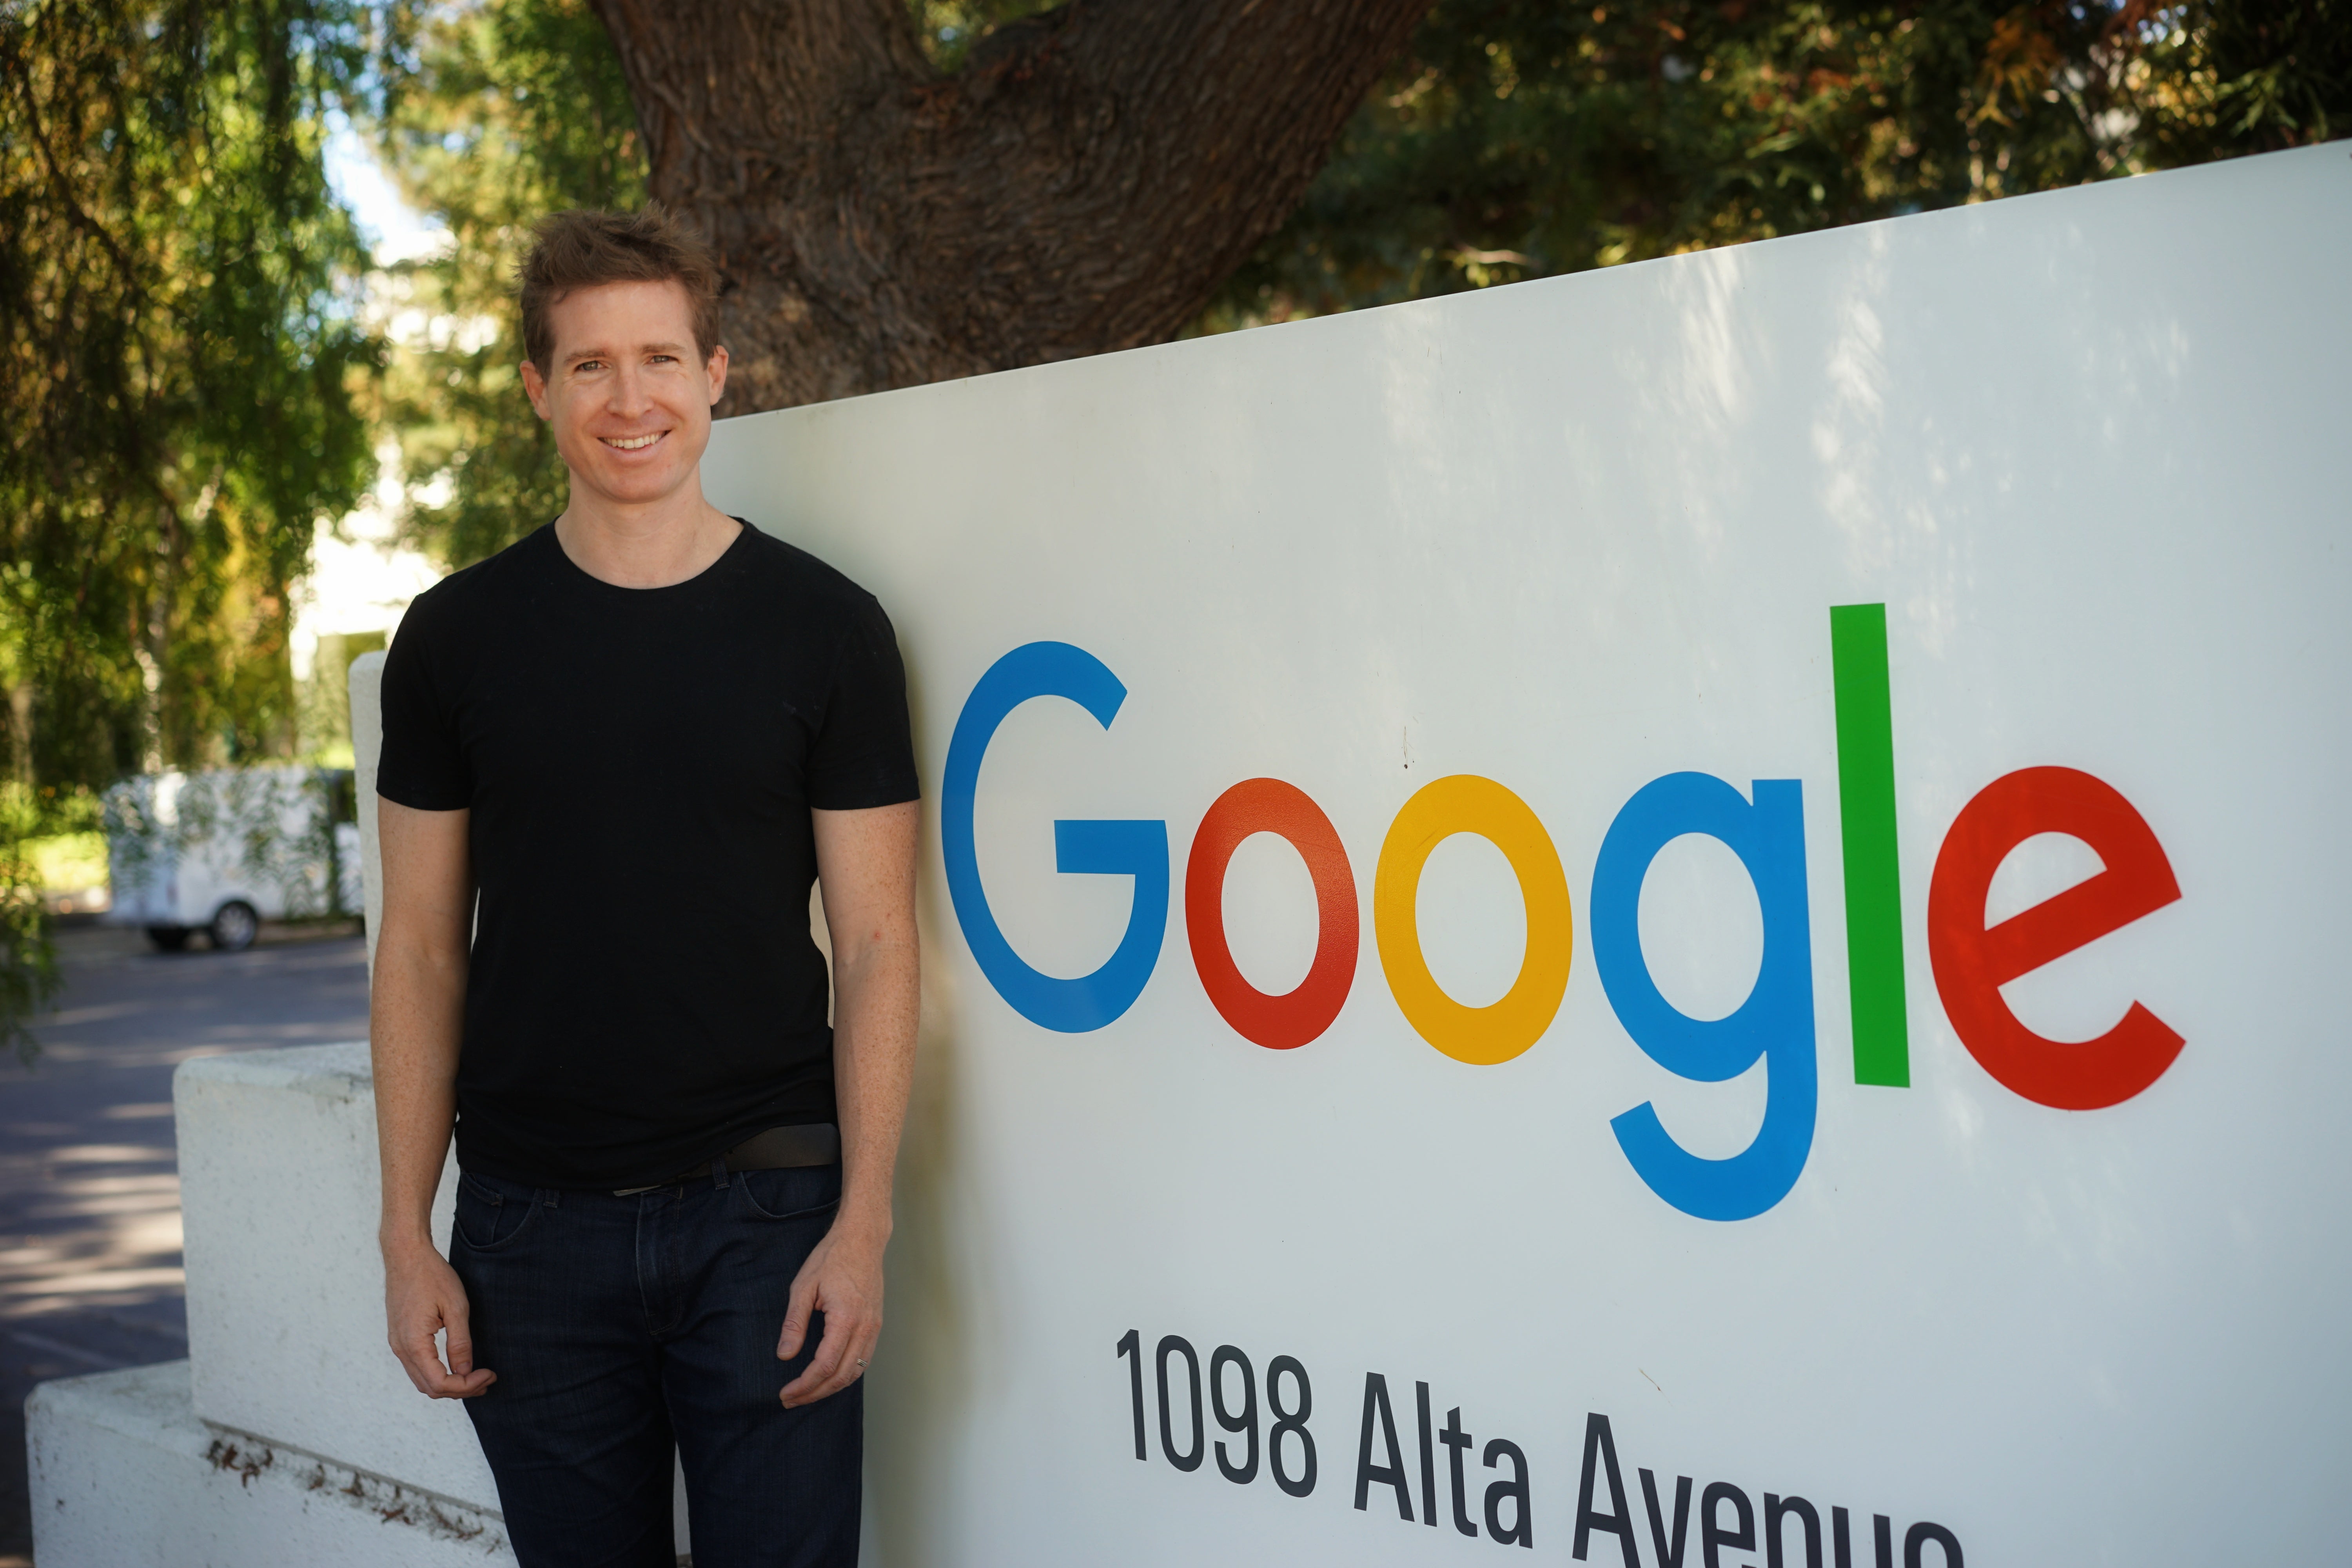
{"x":843,"y":1279}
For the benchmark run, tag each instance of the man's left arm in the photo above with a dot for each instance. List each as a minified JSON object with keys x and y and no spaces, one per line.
{"x":866,"y":870}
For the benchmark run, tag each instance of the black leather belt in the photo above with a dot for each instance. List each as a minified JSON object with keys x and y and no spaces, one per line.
{"x":777,"y":1149}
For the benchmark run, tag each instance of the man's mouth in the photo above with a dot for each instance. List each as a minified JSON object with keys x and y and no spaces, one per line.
{"x":632,"y":443}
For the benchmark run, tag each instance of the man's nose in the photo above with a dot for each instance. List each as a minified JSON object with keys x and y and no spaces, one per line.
{"x":628,"y":392}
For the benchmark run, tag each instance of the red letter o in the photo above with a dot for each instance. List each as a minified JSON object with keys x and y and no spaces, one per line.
{"x":1270,"y":806}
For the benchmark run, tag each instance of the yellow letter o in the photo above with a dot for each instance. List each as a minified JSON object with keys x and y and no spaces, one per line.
{"x":1468,"y":804}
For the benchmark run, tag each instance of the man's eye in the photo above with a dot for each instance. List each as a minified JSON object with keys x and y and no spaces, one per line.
{"x":586,"y":365}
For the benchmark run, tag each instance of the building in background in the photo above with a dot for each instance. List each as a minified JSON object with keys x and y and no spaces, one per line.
{"x":361,"y":581}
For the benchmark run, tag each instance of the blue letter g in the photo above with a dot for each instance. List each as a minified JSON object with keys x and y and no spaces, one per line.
{"x":1776,"y":1022}
{"x":1137,"y":849}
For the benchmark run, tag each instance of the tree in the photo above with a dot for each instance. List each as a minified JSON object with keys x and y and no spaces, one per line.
{"x":492,"y":116}
{"x":28,"y":964}
{"x":179,"y":341}
{"x":1082,"y":184}
{"x":178,"y":353}
{"x":1510,"y":138}
{"x":1519,"y":139}
{"x":503,"y":109}
{"x":2248,"y":76}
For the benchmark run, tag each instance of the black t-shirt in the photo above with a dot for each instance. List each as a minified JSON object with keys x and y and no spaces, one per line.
{"x":640,"y":764}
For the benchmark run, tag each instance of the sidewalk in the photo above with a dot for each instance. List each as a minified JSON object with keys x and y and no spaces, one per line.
{"x":89,"y":1194}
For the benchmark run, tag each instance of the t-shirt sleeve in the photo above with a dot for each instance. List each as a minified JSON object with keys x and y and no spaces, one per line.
{"x":863,"y":755}
{"x":423,"y":764}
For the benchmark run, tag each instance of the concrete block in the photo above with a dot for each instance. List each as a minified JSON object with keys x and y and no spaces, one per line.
{"x":123,"y":1475}
{"x":367,"y":746}
{"x":279,"y":1194}
{"x":279,"y":1191}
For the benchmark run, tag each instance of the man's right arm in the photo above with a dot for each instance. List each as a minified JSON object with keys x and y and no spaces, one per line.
{"x":415,"y":1011}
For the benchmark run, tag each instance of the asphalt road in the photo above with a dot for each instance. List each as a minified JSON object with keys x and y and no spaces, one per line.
{"x":89,"y":1188}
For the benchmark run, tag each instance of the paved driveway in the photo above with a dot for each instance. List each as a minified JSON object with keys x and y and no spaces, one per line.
{"x":90,"y":1186}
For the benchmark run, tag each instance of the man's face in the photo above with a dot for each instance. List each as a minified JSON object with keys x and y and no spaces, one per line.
{"x":627,"y":392}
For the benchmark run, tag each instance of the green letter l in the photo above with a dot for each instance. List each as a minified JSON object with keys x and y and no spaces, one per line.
{"x":1874,"y":897}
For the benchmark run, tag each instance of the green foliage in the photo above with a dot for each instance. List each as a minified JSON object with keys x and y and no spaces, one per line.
{"x":1524,"y":138}
{"x":324,"y":702}
{"x":506,"y":110}
{"x":179,"y":363}
{"x":28,"y":963}
{"x":2250,"y":78}
{"x":68,"y":862}
{"x":179,"y":346}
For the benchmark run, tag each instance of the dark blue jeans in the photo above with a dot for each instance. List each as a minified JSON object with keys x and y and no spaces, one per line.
{"x":619,"y":1325}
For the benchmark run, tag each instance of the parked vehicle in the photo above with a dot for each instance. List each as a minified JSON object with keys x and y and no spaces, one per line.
{"x":221,"y":851}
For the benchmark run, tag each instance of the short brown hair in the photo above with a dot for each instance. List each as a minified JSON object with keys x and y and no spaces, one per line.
{"x":584,"y":249}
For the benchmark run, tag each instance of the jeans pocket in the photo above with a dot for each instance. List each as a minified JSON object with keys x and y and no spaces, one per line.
{"x":790,"y":1193}
{"x":489,"y":1220}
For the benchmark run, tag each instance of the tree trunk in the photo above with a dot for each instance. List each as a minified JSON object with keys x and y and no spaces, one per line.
{"x":1083,"y":183}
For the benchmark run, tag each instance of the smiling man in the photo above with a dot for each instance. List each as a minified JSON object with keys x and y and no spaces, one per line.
{"x":615,"y":756}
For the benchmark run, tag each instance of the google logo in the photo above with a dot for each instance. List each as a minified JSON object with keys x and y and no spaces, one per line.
{"x":1764,"y":827}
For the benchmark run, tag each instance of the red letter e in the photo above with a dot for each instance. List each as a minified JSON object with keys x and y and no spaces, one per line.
{"x":1972,"y":963}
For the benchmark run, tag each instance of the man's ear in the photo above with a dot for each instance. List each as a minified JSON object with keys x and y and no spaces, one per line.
{"x":716,"y":370}
{"x":534,"y":385}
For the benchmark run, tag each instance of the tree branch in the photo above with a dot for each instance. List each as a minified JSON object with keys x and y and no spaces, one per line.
{"x":1082,"y":184}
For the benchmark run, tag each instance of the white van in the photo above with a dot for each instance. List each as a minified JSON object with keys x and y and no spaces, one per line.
{"x":222,"y":851}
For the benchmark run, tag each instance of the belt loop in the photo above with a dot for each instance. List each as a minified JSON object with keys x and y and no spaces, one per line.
{"x":550,"y":1196}
{"x":718,"y":1170}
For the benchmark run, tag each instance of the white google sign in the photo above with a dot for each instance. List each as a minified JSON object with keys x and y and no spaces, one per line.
{"x":1683,"y":916}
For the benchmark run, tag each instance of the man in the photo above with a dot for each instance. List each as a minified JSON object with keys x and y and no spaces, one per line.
{"x":615,"y":755}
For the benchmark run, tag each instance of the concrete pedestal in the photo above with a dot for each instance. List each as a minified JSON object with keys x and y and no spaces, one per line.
{"x":125,"y":1475}
{"x":278,"y":1185}
{"x":290,"y":1434}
